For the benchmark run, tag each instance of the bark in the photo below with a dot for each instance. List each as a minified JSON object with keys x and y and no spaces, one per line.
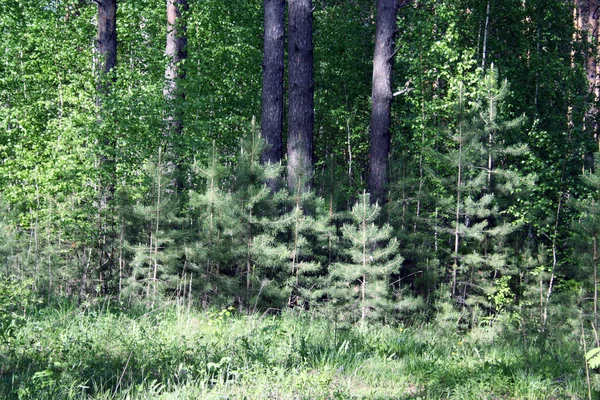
{"x":272,"y":86}
{"x":301,"y":95}
{"x":587,"y":14}
{"x":592,"y":31}
{"x":107,"y":60}
{"x":176,"y":52}
{"x":383,"y":66}
{"x":107,"y":41}
{"x":485,"y":35}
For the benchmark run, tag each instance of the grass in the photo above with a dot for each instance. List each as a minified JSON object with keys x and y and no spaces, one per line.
{"x":175,"y":353}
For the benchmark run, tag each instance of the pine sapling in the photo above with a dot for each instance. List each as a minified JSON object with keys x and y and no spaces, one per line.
{"x":371,"y":257}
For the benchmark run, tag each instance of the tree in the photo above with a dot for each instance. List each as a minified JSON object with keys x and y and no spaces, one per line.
{"x":107,"y":49}
{"x":362,"y":281}
{"x":586,"y":23}
{"x":301,"y":95}
{"x":383,"y":66}
{"x":587,"y":20}
{"x":176,"y":52}
{"x":272,"y":85}
{"x":107,"y":41}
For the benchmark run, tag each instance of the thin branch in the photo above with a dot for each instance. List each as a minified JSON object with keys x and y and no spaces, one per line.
{"x":394,"y":54}
{"x":403,"y":91}
{"x":404,"y":3}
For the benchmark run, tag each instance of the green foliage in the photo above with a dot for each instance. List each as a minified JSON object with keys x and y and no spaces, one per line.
{"x":343,"y":76}
{"x":593,"y":358}
{"x":16,"y":298}
{"x":361,"y":282}
{"x":156,"y":257}
{"x":479,"y":208}
{"x":311,"y":239}
{"x":237,"y":249}
{"x":488,"y":208}
{"x":177,"y":353}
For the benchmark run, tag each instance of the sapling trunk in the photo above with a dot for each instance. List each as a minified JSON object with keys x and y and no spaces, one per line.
{"x":190,"y":292}
{"x":249,"y":257}
{"x":36,"y":228}
{"x":421,"y":172}
{"x":157,"y":225}
{"x":121,"y":259}
{"x":295,"y":244}
{"x":490,"y":134}
{"x":587,"y":369}
{"x":458,"y":193}
{"x":595,"y":262}
{"x":363,"y":282}
{"x":349,"y":153}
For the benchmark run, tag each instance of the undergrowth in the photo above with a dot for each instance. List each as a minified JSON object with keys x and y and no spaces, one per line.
{"x":69,"y":352}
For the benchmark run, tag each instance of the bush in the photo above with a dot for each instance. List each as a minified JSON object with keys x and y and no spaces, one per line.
{"x":16,"y":297}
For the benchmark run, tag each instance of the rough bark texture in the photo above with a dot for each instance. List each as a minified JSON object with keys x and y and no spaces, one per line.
{"x":383,"y":65}
{"x":107,"y":41}
{"x":272,"y":87}
{"x":107,"y":60}
{"x":586,"y":19}
{"x":590,"y":8}
{"x":176,"y":52}
{"x":301,"y":95}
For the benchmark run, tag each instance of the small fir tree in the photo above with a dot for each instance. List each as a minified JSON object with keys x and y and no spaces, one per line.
{"x":308,"y":234}
{"x":155,"y":263}
{"x":585,"y":239}
{"x":209,"y":252}
{"x":362,"y":282}
{"x":237,"y":250}
{"x":481,"y":191}
{"x":256,"y":253}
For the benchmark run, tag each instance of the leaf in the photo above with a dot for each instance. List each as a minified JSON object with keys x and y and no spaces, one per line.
{"x":593,"y":357}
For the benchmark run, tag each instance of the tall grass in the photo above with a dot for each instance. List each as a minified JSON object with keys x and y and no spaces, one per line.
{"x":65,"y":352}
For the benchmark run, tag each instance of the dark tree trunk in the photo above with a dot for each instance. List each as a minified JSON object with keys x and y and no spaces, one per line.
{"x":107,"y":60}
{"x":272,"y":87}
{"x":383,"y":66}
{"x":587,"y":13}
{"x":301,"y":96}
{"x":176,"y":52}
{"x":107,"y":41}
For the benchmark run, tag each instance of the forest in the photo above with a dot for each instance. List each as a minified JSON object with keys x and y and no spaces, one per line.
{"x":301,"y":199}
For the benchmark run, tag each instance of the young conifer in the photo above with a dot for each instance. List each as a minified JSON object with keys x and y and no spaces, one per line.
{"x":483,"y":191}
{"x":412,"y":213}
{"x":586,"y":241}
{"x":362,"y":282}
{"x":208,"y":253}
{"x":258,"y":256}
{"x":155,"y":264}
{"x":307,"y":231}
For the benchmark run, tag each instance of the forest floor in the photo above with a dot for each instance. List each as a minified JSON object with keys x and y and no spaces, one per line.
{"x":68,"y":352}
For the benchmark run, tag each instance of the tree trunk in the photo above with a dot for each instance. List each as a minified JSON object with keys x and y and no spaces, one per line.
{"x":592,"y":31}
{"x":301,"y":95}
{"x":587,"y":14}
{"x":107,"y":41}
{"x":272,"y":87}
{"x":107,"y":60}
{"x":176,"y":52}
{"x":383,"y":66}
